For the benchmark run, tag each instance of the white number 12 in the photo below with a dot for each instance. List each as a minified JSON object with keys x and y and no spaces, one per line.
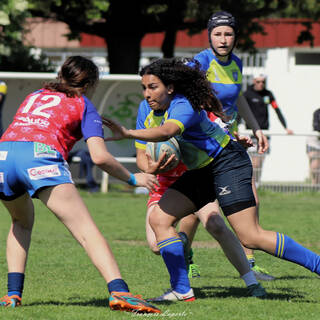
{"x":38,"y":110}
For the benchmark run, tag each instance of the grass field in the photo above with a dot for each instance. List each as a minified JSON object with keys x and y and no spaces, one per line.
{"x":61,"y":283}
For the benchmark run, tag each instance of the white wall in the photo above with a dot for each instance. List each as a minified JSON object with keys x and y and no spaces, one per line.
{"x":297,"y":92}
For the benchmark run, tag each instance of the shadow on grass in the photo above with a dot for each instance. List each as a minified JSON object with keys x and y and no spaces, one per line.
{"x":276,"y":278}
{"x":90,"y":303}
{"x":236,"y":292}
{"x":207,"y":292}
{"x":296,"y":277}
{"x":93,"y":303}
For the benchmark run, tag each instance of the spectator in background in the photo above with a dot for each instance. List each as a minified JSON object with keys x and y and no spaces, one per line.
{"x":3,"y":93}
{"x":86,"y":168}
{"x":313,"y":149}
{"x":259,"y":98}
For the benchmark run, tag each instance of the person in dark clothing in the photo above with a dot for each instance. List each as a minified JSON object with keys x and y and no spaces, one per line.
{"x":86,"y":166}
{"x":259,"y":98}
{"x":313,"y":149}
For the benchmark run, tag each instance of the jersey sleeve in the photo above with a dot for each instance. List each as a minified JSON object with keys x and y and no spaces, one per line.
{"x":238,"y":61}
{"x":185,"y":119}
{"x":273,"y":100}
{"x":91,"y":124}
{"x":140,"y":124}
{"x":203,"y":59}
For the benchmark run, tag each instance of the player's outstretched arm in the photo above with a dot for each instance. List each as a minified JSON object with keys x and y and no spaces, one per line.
{"x":106,"y":162}
{"x":162,"y":133}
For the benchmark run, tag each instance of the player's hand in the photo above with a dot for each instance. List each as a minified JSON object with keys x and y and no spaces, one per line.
{"x":245,"y":141}
{"x":118,"y":131}
{"x":159,"y":166}
{"x":147,"y":180}
{"x":263,"y":144}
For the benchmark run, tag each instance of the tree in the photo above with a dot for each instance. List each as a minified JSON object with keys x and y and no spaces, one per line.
{"x":123,"y":24}
{"x":14,"y":55}
{"x":309,"y":9}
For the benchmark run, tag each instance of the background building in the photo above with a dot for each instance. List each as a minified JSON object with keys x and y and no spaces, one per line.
{"x":293,"y":75}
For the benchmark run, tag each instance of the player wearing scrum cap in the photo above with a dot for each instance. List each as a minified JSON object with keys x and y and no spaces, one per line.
{"x":224,"y":71}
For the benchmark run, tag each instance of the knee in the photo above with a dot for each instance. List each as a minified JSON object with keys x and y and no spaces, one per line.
{"x":154,"y":220}
{"x":251,"y":240}
{"x":216,"y":226}
{"x":24,"y":224}
{"x":158,"y":221}
{"x":154,"y":248}
{"x":248,"y":243}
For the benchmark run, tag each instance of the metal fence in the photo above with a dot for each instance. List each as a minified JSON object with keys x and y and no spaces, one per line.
{"x":291,"y":165}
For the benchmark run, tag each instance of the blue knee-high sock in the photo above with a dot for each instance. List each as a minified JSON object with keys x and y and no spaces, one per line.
{"x":118,"y":285}
{"x":15,"y":283}
{"x":292,"y":251}
{"x":171,"y":251}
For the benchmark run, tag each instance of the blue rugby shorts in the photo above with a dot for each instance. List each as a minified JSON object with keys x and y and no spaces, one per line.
{"x":28,"y":167}
{"x":228,"y":178}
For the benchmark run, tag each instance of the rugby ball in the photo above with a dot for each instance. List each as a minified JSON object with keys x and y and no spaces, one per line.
{"x":169,"y":147}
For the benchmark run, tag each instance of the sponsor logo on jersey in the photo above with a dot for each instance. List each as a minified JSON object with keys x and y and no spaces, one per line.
{"x":266,"y":99}
{"x":42,"y":150}
{"x":43,"y":172}
{"x":1,"y":177}
{"x":224,"y":191}
{"x":27,"y":121}
{"x":3,"y":155}
{"x":216,"y":75}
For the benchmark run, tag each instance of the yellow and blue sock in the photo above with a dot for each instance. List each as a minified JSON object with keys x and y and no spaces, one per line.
{"x":171,"y":250}
{"x":290,"y":250}
{"x":15,"y":283}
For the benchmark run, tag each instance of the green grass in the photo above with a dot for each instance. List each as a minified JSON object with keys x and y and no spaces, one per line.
{"x":61,"y":283}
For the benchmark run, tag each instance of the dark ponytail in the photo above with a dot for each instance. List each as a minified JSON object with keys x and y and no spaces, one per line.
{"x":76,"y":75}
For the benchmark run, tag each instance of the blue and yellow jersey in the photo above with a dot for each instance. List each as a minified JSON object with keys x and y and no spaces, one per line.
{"x":3,"y":88}
{"x":225,"y":78}
{"x":200,"y":140}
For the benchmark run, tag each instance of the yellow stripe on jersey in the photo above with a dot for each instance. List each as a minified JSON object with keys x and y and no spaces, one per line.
{"x":139,"y":145}
{"x":3,"y":87}
{"x":178,"y":123}
{"x":153,"y":121}
{"x":204,"y":164}
{"x":230,"y":74}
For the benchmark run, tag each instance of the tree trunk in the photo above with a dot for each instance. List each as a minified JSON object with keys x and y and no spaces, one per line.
{"x":124,"y":53}
{"x":168,"y":43}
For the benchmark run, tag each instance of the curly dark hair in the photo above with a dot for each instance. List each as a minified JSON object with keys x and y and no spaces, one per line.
{"x":187,"y":80}
{"x":76,"y":74}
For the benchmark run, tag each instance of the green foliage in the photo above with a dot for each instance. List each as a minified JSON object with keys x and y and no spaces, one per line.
{"x":303,"y":9}
{"x":124,"y":23}
{"x":108,"y":19}
{"x":14,"y":55}
{"x":61,"y":282}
